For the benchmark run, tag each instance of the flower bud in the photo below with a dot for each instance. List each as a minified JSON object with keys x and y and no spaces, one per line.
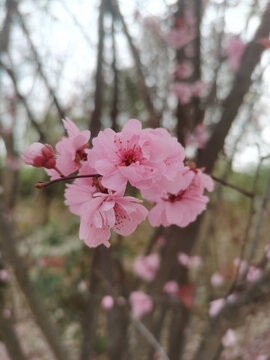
{"x":39,"y":155}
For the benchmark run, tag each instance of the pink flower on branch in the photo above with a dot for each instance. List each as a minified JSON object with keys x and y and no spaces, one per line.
{"x":145,"y":158}
{"x":102,"y":211}
{"x":71,"y":150}
{"x":146,"y":267}
{"x":235,"y":50}
{"x":141,"y":303}
{"x":183,"y":206}
{"x":107,"y":302}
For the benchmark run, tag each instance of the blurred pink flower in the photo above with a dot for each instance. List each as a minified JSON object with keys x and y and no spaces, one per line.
{"x":217,"y":279}
{"x":4,"y":275}
{"x":179,"y":37}
{"x":146,"y":267}
{"x":189,"y":261}
{"x":235,"y":50}
{"x":171,"y":288}
{"x":199,"y":89}
{"x":216,"y":306}
{"x":254,"y":274}
{"x":229,"y":339}
{"x":199,"y":137}
{"x":183,"y":91}
{"x":141,"y":303}
{"x":183,"y":70}
{"x":183,"y":259}
{"x":13,"y":163}
{"x":107,"y":302}
{"x":82,"y":286}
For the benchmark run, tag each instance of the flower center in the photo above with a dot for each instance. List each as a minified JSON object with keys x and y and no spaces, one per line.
{"x":81,"y":155}
{"x":174,"y":197}
{"x":128,"y":154}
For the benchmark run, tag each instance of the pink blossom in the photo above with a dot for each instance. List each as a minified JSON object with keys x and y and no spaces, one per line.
{"x":71,"y":150}
{"x":231,"y":298}
{"x":107,"y":211}
{"x":183,"y":259}
{"x":6,"y":313}
{"x":107,"y":302}
{"x":141,"y":303}
{"x":184,"y":70}
{"x":183,"y":91}
{"x":267,"y":251}
{"x":216,"y":306}
{"x":229,"y":339}
{"x":13,"y":163}
{"x":161,"y":241}
{"x":235,"y":50}
{"x":179,"y":37}
{"x":182,"y":207}
{"x":254,"y":274}
{"x":82,"y":286}
{"x":242,"y":266}
{"x":4,"y":276}
{"x":262,"y":357}
{"x":39,"y":155}
{"x":189,"y":261}
{"x":217,"y":279}
{"x":199,"y":89}
{"x":146,"y":267}
{"x":101,"y":211}
{"x":199,"y":137}
{"x":195,"y":262}
{"x":171,"y":288}
{"x":146,"y":158}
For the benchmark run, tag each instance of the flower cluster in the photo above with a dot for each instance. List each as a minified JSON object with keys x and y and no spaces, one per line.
{"x":149,"y":159}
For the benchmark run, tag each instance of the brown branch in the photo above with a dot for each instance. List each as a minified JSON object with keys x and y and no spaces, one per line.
{"x":38,"y":62}
{"x":95,"y":120}
{"x":235,"y":187}
{"x":154,"y":117}
{"x":115,"y":97}
{"x":10,"y":338}
{"x":11,"y":6}
{"x":23,"y":100}
{"x":41,"y":184}
{"x":232,"y":103}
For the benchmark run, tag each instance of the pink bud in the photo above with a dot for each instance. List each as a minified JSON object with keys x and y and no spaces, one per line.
{"x":216,"y":306}
{"x":229,"y":339}
{"x":141,"y":303}
{"x":171,"y":288}
{"x":217,"y":279}
{"x":4,"y":276}
{"x":107,"y":302}
{"x":39,"y":155}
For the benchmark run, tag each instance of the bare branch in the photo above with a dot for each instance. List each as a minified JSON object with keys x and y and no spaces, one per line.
{"x":154,"y":117}
{"x":231,"y":106}
{"x":38,"y":62}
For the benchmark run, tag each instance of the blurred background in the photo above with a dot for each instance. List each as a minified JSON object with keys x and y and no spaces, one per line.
{"x":199,"y":68}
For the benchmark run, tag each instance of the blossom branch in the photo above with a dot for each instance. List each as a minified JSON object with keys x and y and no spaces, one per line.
{"x":43,"y":184}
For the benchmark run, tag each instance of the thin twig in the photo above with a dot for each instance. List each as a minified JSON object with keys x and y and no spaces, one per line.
{"x":235,"y":187}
